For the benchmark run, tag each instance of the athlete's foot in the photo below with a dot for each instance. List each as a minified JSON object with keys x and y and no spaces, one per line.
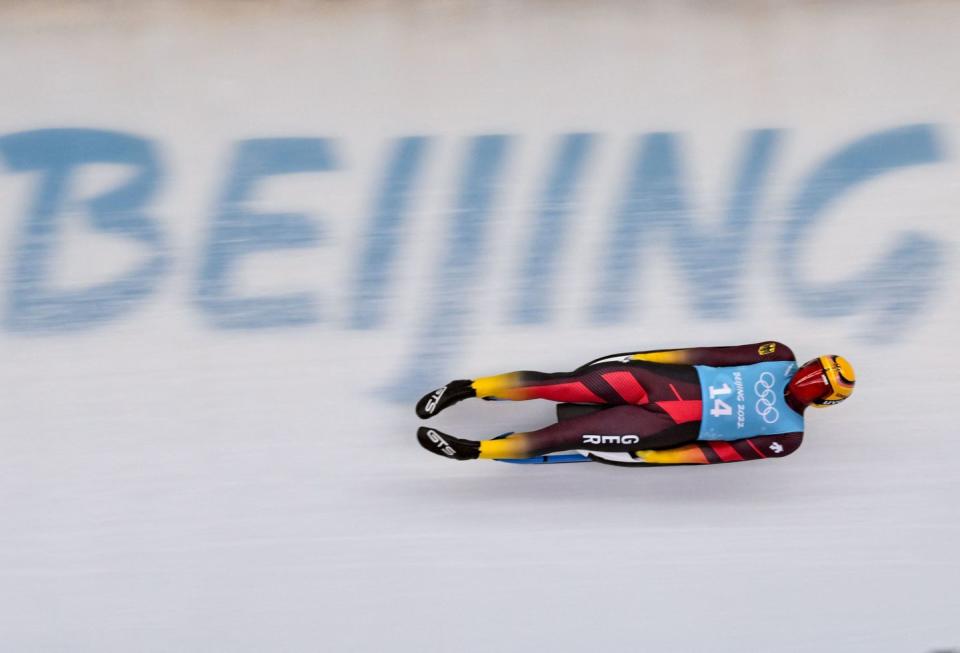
{"x":446,"y":445}
{"x":441,"y":398}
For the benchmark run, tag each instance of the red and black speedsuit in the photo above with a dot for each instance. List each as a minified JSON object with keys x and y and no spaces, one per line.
{"x":649,"y":406}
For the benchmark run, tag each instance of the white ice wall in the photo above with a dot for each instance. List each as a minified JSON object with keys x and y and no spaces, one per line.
{"x":205,"y":444}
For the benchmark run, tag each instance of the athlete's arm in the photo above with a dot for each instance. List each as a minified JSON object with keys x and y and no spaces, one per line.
{"x":759,"y":352}
{"x":709,"y":452}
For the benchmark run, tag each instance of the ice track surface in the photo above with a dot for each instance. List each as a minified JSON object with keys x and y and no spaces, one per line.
{"x":197,"y":524}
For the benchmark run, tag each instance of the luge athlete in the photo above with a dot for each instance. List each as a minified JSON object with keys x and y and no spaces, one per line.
{"x":699,"y":405}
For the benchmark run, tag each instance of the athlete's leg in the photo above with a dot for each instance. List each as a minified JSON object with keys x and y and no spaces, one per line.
{"x":618,"y":428}
{"x":614,"y":383}
{"x":610,"y":383}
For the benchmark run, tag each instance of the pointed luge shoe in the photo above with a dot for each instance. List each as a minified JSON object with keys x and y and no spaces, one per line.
{"x":441,"y":398}
{"x":447,"y":446}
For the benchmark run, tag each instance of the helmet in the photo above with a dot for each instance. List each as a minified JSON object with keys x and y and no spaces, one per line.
{"x":823,"y":381}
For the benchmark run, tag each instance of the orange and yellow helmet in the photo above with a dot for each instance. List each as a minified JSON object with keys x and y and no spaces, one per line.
{"x":823,"y":381}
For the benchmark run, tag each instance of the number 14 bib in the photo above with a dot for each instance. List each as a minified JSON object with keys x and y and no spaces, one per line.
{"x":746,"y":401}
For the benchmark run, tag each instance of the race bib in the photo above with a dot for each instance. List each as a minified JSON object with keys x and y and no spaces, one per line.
{"x":746,"y":401}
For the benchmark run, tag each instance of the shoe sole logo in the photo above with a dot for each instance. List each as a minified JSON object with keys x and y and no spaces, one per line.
{"x":434,"y":400}
{"x":442,"y":444}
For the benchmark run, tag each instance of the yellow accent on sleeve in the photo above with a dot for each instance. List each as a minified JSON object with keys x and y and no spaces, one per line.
{"x":669,"y":356}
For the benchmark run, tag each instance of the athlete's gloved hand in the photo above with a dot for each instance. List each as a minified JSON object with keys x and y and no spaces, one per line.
{"x":432,"y":403}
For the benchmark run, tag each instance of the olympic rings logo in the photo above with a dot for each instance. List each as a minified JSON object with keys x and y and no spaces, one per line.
{"x":766,"y":398}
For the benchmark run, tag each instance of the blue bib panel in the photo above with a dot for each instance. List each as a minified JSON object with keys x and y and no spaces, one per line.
{"x":746,"y":401}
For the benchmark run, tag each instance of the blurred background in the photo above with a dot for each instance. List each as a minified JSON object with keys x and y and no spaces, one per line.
{"x":239,"y":238}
